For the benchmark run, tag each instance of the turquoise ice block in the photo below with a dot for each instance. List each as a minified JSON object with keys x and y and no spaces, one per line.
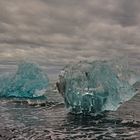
{"x":29,"y":81}
{"x":93,"y":87}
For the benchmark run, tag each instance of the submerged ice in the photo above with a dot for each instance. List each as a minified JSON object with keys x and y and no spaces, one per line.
{"x":93,"y":87}
{"x":29,"y":81}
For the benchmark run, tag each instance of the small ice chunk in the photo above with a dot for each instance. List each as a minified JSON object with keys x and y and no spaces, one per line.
{"x":29,"y":81}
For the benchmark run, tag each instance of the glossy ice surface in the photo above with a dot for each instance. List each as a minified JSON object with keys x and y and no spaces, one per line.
{"x":29,"y":81}
{"x":93,"y":87}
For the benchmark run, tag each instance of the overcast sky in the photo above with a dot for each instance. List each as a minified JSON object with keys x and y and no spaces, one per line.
{"x":56,"y":32}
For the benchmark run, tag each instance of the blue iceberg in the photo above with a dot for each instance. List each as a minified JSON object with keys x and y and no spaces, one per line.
{"x":29,"y":81}
{"x":93,"y":87}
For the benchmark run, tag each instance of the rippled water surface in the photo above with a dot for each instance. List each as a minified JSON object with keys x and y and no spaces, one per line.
{"x":20,"y":121}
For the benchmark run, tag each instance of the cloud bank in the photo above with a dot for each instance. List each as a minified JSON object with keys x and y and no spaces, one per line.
{"x":56,"y":32}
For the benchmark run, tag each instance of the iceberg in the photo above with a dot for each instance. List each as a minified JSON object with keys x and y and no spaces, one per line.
{"x":94,"y":87}
{"x":28,"y":81}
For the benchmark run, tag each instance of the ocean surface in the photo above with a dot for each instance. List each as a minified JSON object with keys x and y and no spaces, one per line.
{"x":20,"y":120}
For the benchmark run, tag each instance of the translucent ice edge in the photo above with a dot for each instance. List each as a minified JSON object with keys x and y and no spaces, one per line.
{"x":93,"y":87}
{"x":29,"y":81}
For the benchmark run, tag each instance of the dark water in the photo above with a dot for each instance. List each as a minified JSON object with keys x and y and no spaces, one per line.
{"x":20,"y":121}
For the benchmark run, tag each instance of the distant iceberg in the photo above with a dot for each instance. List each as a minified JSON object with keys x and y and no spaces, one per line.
{"x":29,"y":81}
{"x":93,"y":87}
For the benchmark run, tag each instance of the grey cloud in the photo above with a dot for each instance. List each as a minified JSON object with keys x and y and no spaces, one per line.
{"x":55,"y":32}
{"x":128,"y":12}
